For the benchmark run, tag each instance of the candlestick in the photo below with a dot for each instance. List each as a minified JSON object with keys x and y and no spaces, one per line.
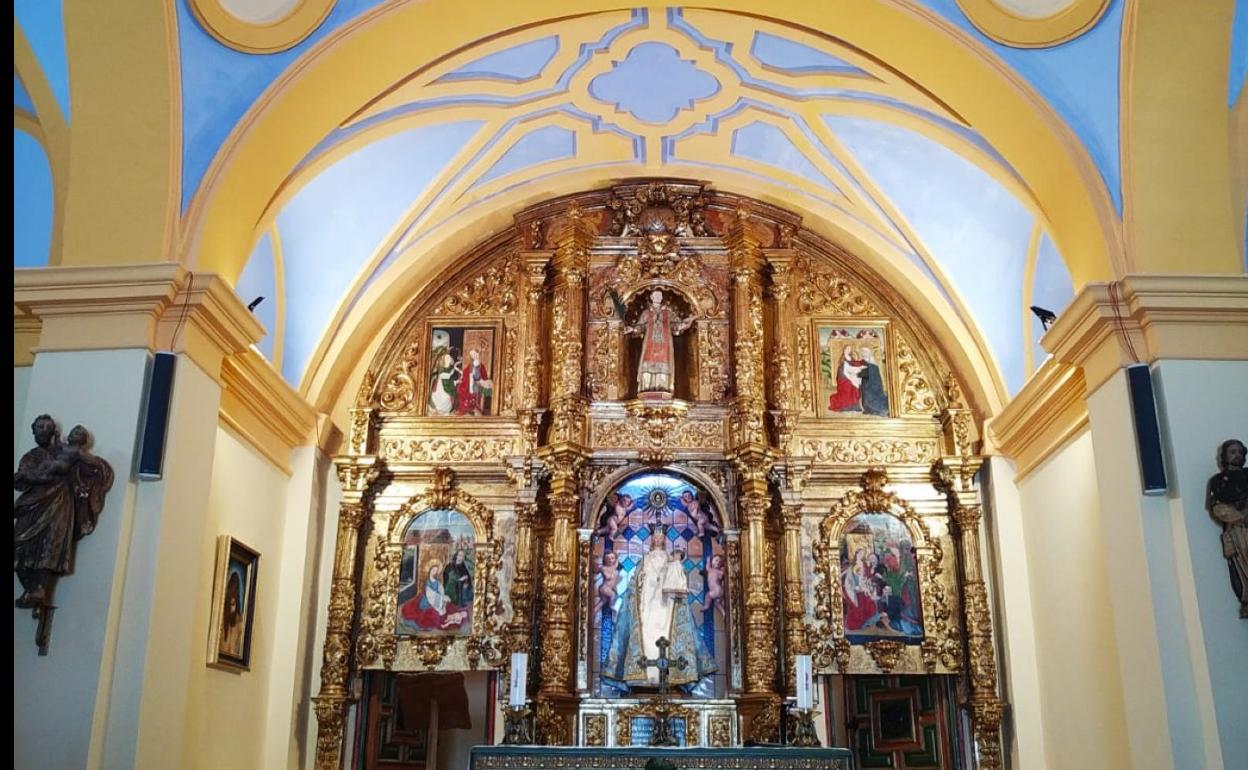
{"x":805,"y":685}
{"x":519,"y":678}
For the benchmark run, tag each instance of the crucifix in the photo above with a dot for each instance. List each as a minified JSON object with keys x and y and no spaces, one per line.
{"x":663,"y":735}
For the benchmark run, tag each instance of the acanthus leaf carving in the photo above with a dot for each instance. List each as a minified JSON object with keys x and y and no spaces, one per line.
{"x":492,"y":292}
{"x":821,"y":292}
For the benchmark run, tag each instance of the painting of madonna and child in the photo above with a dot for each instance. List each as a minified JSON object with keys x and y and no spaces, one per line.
{"x":436,"y":575}
{"x":852,"y":375}
{"x":659,"y":572}
{"x":461,"y":361}
{"x":879,"y":581}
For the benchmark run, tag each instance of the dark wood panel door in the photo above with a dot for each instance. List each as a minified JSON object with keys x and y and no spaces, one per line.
{"x":902,"y":722}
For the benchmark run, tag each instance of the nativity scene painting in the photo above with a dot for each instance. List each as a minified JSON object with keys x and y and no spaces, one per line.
{"x":660,"y":574}
{"x":436,"y":575}
{"x":852,"y":374}
{"x":879,"y":581}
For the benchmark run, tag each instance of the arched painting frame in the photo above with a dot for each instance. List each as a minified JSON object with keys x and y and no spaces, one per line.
{"x":687,"y":517}
{"x":912,"y":632}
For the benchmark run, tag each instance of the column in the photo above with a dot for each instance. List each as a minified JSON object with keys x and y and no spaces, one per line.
{"x":955,"y":476}
{"x":563,"y":457}
{"x":752,"y":457}
{"x":357,"y":474}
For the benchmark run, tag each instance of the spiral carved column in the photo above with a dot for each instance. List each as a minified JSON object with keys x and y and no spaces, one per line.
{"x":357,"y":474}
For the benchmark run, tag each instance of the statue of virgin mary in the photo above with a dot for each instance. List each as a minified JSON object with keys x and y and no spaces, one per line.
{"x":655,"y":606}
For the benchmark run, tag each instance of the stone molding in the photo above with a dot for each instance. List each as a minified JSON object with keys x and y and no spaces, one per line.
{"x":159,"y":307}
{"x":1189,"y":317}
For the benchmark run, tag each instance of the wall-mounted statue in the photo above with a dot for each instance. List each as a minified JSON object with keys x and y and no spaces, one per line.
{"x":1227,"y":501}
{"x":656,"y":369}
{"x":62,"y":489}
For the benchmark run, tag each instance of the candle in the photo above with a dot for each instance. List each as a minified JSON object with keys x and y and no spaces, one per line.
{"x":805,"y":685}
{"x":519,"y":677}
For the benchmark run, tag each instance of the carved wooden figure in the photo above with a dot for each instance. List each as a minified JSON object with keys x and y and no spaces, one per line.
{"x":1227,"y":501}
{"x":62,"y":489}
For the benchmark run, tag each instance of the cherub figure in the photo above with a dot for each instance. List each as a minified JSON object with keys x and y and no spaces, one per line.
{"x":715,"y":583}
{"x":703,"y":520}
{"x":614,"y":516}
{"x":610,"y":572}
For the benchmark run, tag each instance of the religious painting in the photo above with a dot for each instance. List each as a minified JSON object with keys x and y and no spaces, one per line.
{"x":233,"y":605}
{"x":436,"y":576}
{"x":852,"y":369}
{"x":879,"y":581}
{"x":659,"y":572}
{"x":462,"y":360}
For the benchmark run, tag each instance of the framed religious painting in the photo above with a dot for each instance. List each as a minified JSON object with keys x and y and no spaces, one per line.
{"x":437,"y":576}
{"x":880,"y":594}
{"x":460,"y":375}
{"x":233,"y":605}
{"x":852,"y":368}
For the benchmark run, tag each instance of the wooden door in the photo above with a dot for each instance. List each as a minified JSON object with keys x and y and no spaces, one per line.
{"x":391,"y":742}
{"x":902,"y":722}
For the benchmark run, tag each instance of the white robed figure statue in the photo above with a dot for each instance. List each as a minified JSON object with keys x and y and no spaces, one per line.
{"x":655,"y":606}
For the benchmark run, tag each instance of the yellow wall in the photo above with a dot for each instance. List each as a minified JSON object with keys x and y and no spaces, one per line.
{"x":225,"y":711}
{"x":1076,"y":651}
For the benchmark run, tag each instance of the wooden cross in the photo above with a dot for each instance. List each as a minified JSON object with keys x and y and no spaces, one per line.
{"x":663,"y":663}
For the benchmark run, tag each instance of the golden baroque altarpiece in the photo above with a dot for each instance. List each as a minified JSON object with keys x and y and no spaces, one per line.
{"x":807,"y":401}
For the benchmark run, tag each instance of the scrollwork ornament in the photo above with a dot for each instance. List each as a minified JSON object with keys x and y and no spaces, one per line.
{"x":886,"y":653}
{"x":917,"y":396}
{"x":825,"y":293}
{"x":492,"y":292}
{"x":871,"y":451}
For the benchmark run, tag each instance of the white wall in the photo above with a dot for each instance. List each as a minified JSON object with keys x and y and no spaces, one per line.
{"x":455,"y":746}
{"x":1009,"y":561}
{"x":1075,"y":642}
{"x":57,"y":697}
{"x":1201,"y":404}
{"x":22,"y":440}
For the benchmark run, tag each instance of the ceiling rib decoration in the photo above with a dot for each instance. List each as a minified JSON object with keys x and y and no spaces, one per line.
{"x":659,"y":92}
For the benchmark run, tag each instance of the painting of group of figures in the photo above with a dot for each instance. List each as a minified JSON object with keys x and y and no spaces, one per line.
{"x":879,"y":581}
{"x":460,"y":364}
{"x":436,"y":575}
{"x":660,"y":572}
{"x":852,"y":370}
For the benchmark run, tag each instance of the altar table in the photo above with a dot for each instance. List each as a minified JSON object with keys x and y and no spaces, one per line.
{"x":636,"y":757}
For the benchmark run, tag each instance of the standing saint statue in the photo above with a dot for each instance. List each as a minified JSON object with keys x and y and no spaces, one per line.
{"x":657,"y":325}
{"x":1227,"y":501}
{"x":62,"y":493}
{"x":656,"y":606}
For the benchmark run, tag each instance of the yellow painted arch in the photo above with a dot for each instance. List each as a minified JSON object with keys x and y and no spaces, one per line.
{"x":346,"y":348}
{"x":47,"y":125}
{"x":383,"y":47}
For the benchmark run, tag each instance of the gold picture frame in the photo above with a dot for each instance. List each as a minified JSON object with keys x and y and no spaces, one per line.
{"x":872,"y":334}
{"x":457,"y":329}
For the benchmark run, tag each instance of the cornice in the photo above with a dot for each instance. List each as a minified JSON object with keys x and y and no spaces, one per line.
{"x":25,"y":337}
{"x":1162,"y":316}
{"x":154,"y":306}
{"x":1049,"y":411}
{"x":1155,"y":317}
{"x":264,"y":409}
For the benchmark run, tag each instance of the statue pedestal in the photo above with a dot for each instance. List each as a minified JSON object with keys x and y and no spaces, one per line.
{"x":574,"y":758}
{"x":624,"y":722}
